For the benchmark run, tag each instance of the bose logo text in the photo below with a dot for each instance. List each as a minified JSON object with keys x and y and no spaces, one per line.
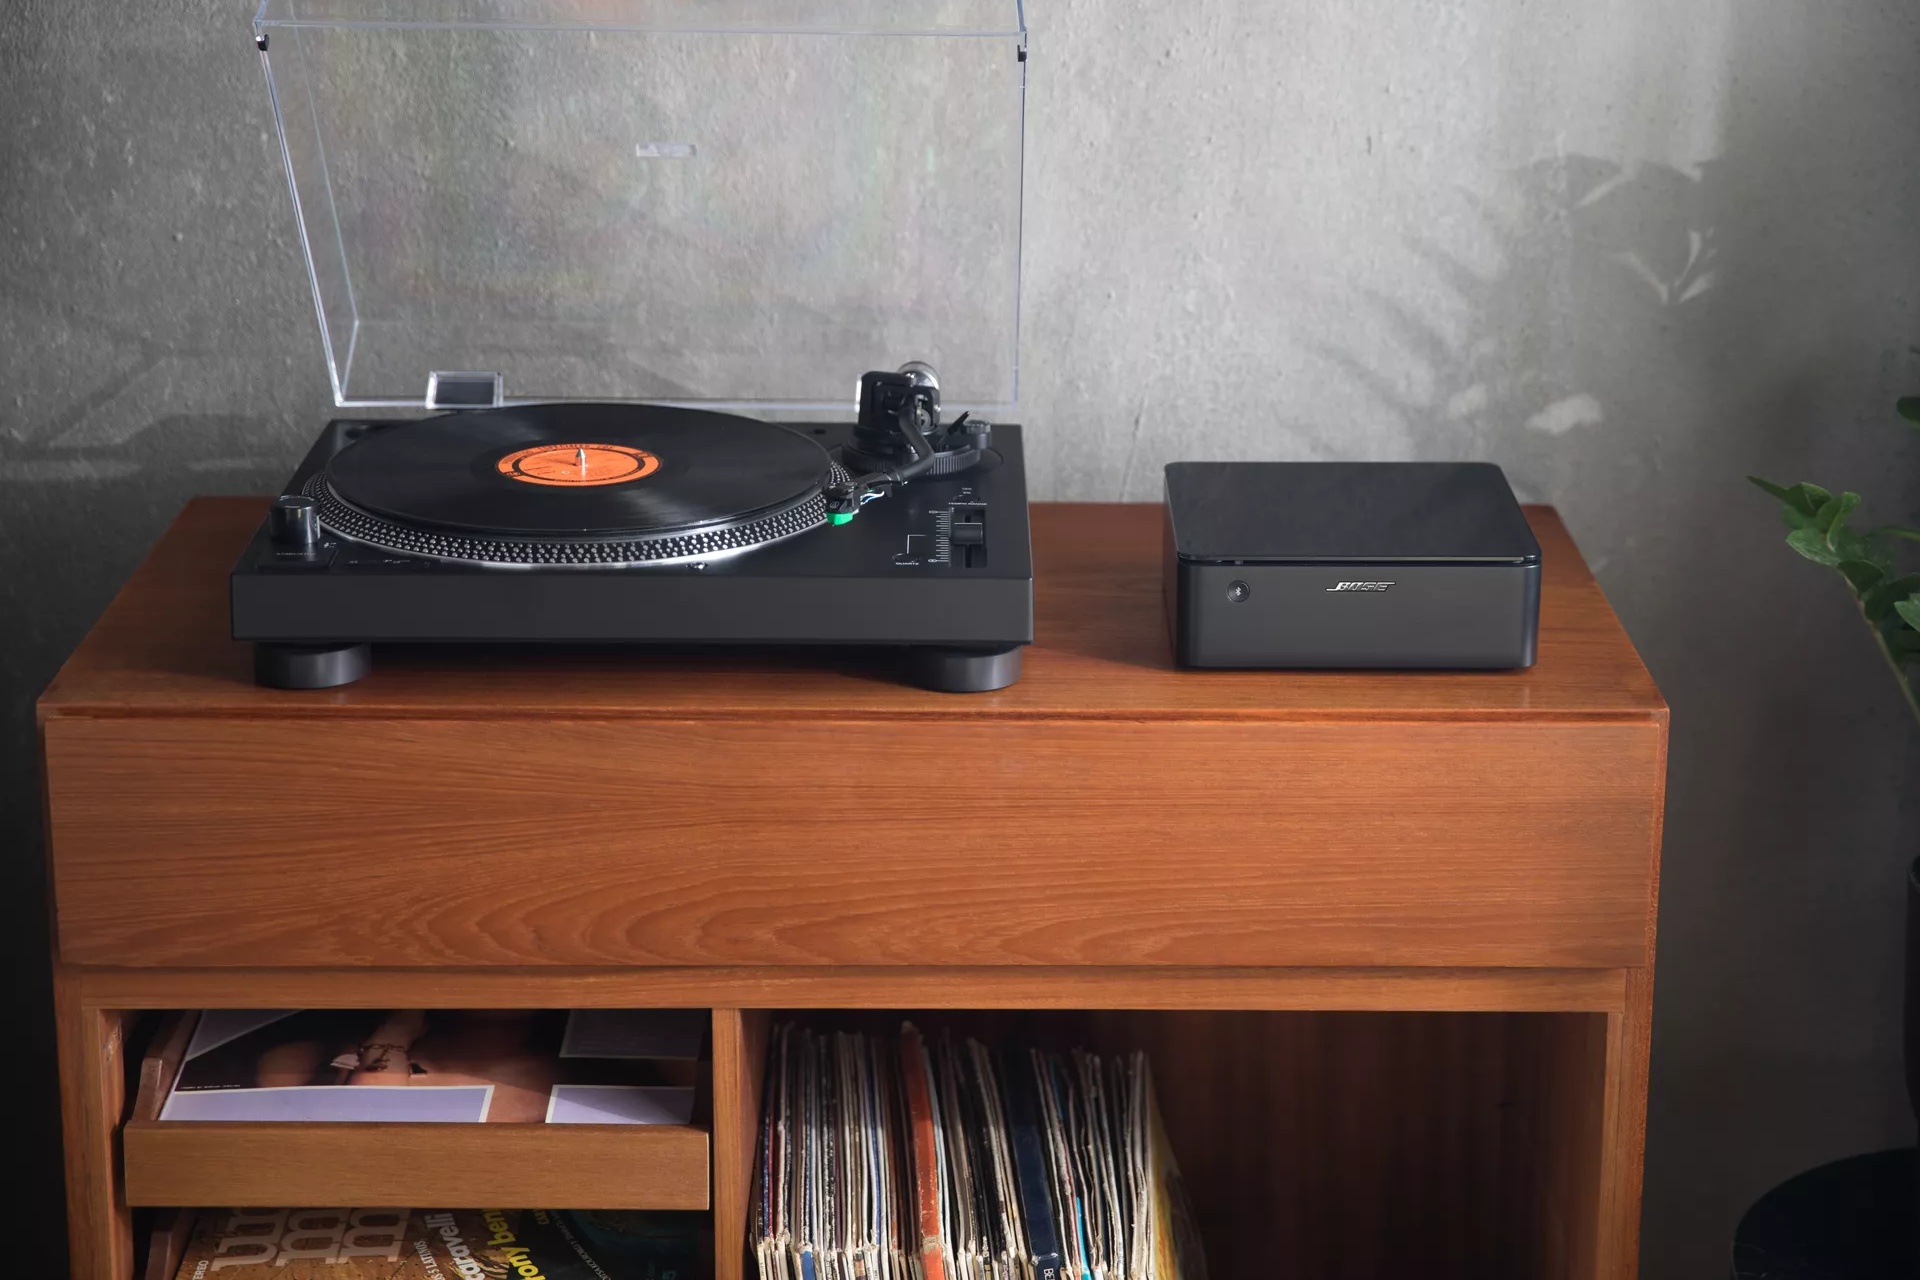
{"x":1360,"y":586}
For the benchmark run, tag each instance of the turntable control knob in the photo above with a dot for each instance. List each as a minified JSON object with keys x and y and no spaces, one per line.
{"x":970,"y":528}
{"x":293,"y":522}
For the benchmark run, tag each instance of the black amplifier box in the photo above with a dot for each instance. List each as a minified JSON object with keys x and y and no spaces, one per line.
{"x":1349,"y":564}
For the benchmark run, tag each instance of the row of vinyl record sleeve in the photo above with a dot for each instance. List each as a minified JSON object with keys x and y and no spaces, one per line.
{"x":901,"y":1158}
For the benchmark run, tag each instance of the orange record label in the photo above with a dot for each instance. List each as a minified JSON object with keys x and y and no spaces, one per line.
{"x":578,"y":465}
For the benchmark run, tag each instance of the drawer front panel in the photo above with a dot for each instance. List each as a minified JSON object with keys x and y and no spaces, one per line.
{"x":295,"y":1165}
{"x":408,"y":842}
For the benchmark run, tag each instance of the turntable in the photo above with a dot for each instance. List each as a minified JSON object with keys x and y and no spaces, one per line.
{"x":712,"y":312}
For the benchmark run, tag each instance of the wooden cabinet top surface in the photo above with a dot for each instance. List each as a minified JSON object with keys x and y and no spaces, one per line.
{"x":1101,"y":651}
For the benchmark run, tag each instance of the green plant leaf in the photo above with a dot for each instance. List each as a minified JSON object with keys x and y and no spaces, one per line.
{"x":1849,"y":545}
{"x":1791,"y":496}
{"x":1833,"y":513}
{"x":1909,"y":610}
{"x":1798,"y":502}
{"x":1802,"y":509}
{"x":1810,"y":543}
{"x":1897,"y":531}
{"x":1861,"y":574}
{"x":1878,"y":603}
{"x":1909,"y":407}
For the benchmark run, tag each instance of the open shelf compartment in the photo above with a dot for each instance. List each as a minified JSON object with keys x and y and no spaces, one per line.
{"x":1322,"y":1143}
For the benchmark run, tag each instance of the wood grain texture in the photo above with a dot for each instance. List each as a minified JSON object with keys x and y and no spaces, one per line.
{"x":1556,"y":1100}
{"x":739,"y":1075}
{"x":221,"y":842}
{"x":1420,"y":989}
{"x":291,"y":1165}
{"x":1622,"y":1158}
{"x":1100,"y":652}
{"x":1220,"y":867}
{"x":160,"y":1065}
{"x":93,"y":1100}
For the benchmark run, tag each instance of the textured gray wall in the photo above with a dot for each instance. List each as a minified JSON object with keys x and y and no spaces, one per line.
{"x":1630,"y":251}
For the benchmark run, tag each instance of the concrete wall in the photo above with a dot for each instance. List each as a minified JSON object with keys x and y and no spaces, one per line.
{"x":1630,"y":251}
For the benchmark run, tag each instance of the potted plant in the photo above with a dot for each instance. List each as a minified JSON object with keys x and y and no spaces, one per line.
{"x":1818,"y":527}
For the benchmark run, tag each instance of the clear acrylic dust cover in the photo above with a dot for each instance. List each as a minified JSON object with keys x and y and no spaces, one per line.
{"x":731,"y":203}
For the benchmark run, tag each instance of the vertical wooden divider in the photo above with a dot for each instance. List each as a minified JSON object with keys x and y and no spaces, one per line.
{"x":93,"y":1100}
{"x":1623,"y":1155}
{"x":739,"y":1065}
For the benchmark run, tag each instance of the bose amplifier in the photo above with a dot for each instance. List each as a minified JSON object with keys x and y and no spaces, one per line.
{"x":1349,"y":564}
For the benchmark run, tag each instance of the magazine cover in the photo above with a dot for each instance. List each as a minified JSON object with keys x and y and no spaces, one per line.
{"x":442,"y":1244}
{"x":452,"y":1066}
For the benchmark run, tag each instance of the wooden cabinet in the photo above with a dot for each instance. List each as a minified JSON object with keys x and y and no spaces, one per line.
{"x":1389,"y":937}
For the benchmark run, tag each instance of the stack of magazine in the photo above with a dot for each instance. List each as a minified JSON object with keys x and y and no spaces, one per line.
{"x":902,"y":1158}
{"x":439,"y":1244}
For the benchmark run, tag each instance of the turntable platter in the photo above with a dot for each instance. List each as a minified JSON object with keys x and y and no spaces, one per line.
{"x":587,"y":484}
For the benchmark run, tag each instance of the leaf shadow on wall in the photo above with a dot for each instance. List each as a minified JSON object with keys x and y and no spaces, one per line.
{"x":1592,"y":238}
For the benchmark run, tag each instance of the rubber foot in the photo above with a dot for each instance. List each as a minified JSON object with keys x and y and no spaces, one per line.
{"x":310,"y":666}
{"x":964,"y":670}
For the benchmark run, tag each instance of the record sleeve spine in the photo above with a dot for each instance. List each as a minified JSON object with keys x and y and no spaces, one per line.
{"x":916,"y":1070}
{"x":1030,"y":1170}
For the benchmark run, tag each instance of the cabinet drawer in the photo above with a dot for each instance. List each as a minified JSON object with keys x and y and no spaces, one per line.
{"x":356,"y":841}
{"x":293,"y":1165}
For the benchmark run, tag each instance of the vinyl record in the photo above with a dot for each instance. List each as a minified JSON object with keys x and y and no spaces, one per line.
{"x":579,"y":471}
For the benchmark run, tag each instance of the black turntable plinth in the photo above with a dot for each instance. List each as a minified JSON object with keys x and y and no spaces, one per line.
{"x":638,"y":525}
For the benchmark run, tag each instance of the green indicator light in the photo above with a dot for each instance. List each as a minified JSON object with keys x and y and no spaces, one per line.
{"x":840,"y":517}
